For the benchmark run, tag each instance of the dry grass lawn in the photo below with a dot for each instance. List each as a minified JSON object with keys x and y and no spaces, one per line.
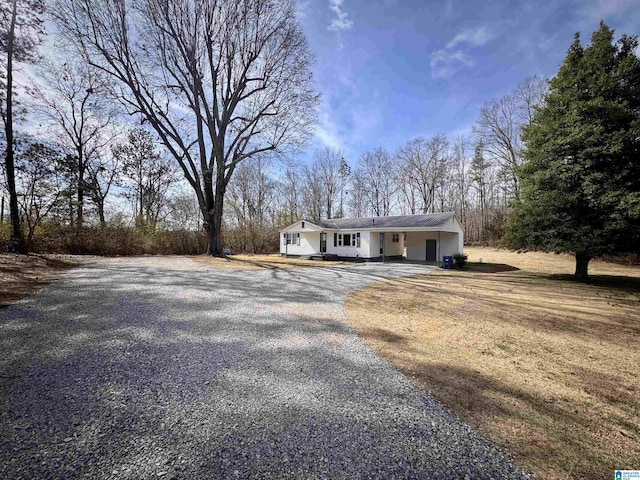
{"x":260,"y":262}
{"x":22,"y":275}
{"x":547,"y":368}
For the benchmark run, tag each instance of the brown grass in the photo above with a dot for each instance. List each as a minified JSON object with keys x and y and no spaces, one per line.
{"x":22,"y":275}
{"x":547,"y":368}
{"x":260,"y":262}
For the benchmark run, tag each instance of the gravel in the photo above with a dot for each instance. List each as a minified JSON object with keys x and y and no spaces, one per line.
{"x":142,"y":369}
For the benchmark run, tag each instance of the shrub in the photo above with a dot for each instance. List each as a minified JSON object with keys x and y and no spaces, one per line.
{"x":117,"y":241}
{"x":459,"y":260}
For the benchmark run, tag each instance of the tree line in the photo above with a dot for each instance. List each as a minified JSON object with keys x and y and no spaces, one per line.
{"x":87,"y":163}
{"x":189,"y":115}
{"x":474,"y":176}
{"x":213,"y":83}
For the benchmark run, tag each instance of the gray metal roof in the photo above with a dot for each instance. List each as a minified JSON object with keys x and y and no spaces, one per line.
{"x":400,"y":221}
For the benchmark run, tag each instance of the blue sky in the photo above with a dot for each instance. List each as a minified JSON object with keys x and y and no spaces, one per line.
{"x":391,"y":70}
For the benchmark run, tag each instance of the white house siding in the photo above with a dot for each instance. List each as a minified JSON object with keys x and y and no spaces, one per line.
{"x":450,"y":243}
{"x":374,"y":244}
{"x":309,"y":244}
{"x":364,"y":251}
{"x":392,"y":249}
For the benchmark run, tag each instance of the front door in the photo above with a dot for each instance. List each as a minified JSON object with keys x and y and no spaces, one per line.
{"x":323,"y":242}
{"x":382,"y":243}
{"x":431,"y":250}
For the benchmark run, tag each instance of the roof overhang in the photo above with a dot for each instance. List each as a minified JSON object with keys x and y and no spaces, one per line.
{"x":442,"y":228}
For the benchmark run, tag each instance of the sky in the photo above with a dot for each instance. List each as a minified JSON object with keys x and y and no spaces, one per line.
{"x":391,"y":70}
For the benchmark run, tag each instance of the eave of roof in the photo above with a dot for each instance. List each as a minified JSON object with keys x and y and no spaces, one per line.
{"x":430,"y":220}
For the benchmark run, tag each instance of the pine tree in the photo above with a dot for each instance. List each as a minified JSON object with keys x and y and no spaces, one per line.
{"x":581,"y":179}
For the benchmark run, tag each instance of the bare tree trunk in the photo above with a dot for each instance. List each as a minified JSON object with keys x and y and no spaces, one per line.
{"x":216,"y":245}
{"x":100,"y":204}
{"x":582,"y":267}
{"x":17,"y":243}
{"x":215,"y":203}
{"x":80,"y":189}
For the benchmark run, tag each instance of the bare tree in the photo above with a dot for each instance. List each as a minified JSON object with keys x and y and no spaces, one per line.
{"x":103,"y":172}
{"x":328,"y":163}
{"x":219,"y":81}
{"x":499,"y":129}
{"x":251,"y":195}
{"x":409,"y":196}
{"x":460,"y":179}
{"x":289,"y":198}
{"x":500,"y":126}
{"x":312,"y":193}
{"x":425,"y":165}
{"x":38,"y":184}
{"x":376,"y":174}
{"x":21,"y":32}
{"x":530,"y":94}
{"x":147,"y":175}
{"x":71,"y":98}
{"x":184,"y":212}
{"x":358,"y":202}
{"x":478,"y":176}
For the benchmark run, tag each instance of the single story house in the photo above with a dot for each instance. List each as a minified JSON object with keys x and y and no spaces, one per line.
{"x":416,"y":237}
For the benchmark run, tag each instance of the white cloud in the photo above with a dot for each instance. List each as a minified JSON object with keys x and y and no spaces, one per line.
{"x":444,"y":63}
{"x":341,"y":20}
{"x":455,"y":55}
{"x":473,"y":37}
{"x":601,"y":9}
{"x":327,"y":131}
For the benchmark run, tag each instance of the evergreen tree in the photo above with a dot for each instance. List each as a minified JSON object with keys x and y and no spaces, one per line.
{"x":581,"y":179}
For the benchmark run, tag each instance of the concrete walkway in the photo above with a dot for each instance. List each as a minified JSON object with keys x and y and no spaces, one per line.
{"x":155,"y":367}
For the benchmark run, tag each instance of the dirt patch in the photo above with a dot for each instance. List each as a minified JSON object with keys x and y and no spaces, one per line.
{"x":545,"y":367}
{"x":22,"y":275}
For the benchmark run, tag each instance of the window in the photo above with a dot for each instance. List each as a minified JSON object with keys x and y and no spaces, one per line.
{"x":291,"y":239}
{"x":395,"y":238}
{"x":302,"y":224}
{"x":346,"y":239}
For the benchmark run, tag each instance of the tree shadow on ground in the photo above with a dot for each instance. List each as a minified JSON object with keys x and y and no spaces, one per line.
{"x":550,"y":432}
{"x":477,"y":267}
{"x":155,"y":366}
{"x":615,"y":282}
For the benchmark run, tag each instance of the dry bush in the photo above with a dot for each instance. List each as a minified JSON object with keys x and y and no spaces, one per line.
{"x":112,"y":241}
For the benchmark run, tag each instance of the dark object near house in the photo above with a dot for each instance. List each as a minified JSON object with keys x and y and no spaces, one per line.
{"x":447,"y":262}
{"x":459,"y":260}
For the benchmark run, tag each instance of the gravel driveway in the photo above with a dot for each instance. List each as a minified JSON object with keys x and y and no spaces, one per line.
{"x":155,"y":367}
